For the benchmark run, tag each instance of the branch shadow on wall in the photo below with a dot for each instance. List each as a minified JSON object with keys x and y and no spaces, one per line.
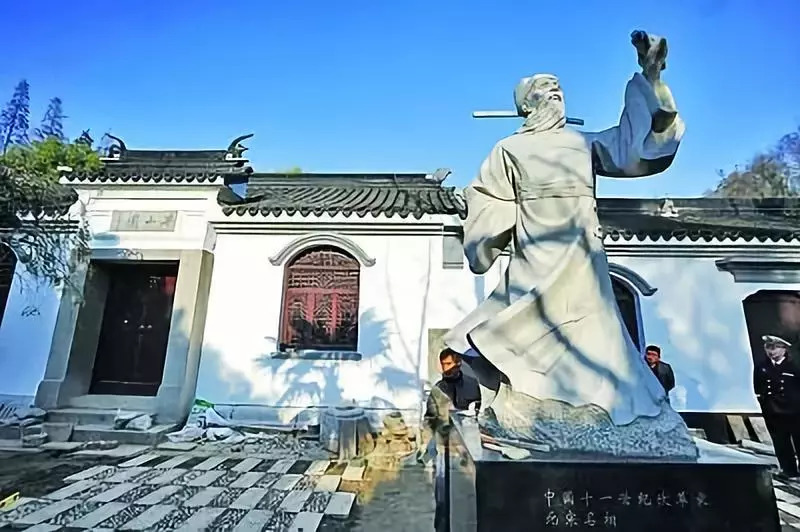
{"x":314,"y":379}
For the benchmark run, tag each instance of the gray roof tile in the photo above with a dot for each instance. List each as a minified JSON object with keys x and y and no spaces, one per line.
{"x":623,"y":219}
{"x":376,"y":194}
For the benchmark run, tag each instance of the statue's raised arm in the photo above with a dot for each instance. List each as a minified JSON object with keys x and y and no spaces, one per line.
{"x":650,"y":130}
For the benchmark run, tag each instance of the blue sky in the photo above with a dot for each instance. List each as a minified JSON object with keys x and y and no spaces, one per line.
{"x":389,"y":86}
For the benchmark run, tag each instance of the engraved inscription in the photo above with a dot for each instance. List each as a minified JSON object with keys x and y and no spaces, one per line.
{"x":602,"y":510}
{"x":163,"y":221}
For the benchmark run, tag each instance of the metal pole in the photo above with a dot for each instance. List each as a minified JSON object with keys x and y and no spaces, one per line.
{"x":513,"y":114}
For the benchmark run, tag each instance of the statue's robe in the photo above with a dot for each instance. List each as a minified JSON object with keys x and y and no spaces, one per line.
{"x":552,"y":325}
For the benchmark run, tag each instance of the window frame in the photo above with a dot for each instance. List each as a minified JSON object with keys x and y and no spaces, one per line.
{"x":310,"y":350}
{"x":625,"y":284}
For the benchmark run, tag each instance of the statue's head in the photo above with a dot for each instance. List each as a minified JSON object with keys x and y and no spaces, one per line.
{"x":540,"y":101}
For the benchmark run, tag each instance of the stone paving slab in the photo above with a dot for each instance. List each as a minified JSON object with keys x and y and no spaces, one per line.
{"x":177,"y":446}
{"x":160,"y":490}
{"x":88,"y":473}
{"x":139,"y":460}
{"x":340,"y":504}
{"x":121,"y":451}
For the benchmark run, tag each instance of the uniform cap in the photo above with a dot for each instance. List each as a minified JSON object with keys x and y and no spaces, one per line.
{"x":775,"y":340}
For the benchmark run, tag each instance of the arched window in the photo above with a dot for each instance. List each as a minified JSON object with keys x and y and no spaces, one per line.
{"x":8,"y":262}
{"x":320,"y":301}
{"x":627,"y":304}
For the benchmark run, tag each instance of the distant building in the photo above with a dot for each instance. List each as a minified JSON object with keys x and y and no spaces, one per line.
{"x":318,"y":289}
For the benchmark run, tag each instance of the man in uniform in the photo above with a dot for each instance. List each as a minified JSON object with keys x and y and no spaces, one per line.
{"x":776,"y":382}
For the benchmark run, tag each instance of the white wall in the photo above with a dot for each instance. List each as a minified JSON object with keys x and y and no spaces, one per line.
{"x":697,"y":317}
{"x":396,"y":308}
{"x":26,"y":333}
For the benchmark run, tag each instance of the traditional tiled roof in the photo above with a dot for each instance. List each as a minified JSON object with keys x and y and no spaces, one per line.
{"x":169,"y":166}
{"x":623,"y":219}
{"x":376,"y":194}
{"x":701,"y":219}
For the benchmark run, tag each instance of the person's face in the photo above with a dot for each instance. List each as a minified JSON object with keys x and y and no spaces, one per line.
{"x":775,"y":352}
{"x":449,"y":365}
{"x":652,"y":357}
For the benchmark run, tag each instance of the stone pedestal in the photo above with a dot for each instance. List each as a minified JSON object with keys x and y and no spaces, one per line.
{"x":722,"y":490}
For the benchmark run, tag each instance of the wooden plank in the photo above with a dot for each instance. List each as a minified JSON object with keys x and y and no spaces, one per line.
{"x":738,"y":427}
{"x":760,"y":428}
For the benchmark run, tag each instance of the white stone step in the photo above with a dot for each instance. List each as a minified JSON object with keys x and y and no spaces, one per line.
{"x":150,"y":436}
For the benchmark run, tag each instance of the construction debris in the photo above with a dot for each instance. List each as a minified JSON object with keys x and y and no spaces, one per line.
{"x":132,"y":421}
{"x":33,"y":440}
{"x":23,"y":417}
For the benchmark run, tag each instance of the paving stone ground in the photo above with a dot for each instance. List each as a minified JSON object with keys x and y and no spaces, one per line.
{"x":192,"y":491}
{"x":787,"y":494}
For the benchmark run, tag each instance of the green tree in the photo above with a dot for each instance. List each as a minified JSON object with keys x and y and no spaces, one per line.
{"x":775,"y":173}
{"x":294,"y":170}
{"x":34,"y":219}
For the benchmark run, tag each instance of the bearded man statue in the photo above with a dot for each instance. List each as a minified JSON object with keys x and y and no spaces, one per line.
{"x":556,"y":364}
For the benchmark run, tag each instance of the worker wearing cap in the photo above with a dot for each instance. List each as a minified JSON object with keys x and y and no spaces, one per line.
{"x":776,"y":382}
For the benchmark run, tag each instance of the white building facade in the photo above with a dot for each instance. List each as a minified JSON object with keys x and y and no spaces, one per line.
{"x":316,"y":290}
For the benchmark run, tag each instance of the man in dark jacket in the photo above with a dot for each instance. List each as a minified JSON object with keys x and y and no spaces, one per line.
{"x":455,"y":390}
{"x":776,"y":382}
{"x":661,"y":370}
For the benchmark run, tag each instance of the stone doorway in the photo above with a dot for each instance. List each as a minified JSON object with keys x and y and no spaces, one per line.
{"x":149,"y":363}
{"x":132,"y":344}
{"x":774,"y":312}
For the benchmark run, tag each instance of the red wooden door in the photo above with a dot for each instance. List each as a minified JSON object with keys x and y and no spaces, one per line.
{"x":133,"y":338}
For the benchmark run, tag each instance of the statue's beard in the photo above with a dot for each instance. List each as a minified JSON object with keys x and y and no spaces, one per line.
{"x":548,"y":114}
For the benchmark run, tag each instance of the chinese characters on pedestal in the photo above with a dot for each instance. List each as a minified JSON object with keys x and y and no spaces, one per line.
{"x":571,"y":508}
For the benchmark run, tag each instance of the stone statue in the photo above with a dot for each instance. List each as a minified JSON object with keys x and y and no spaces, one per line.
{"x":555,"y":361}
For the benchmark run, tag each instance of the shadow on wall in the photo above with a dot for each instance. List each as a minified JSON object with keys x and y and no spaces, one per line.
{"x":300,"y":386}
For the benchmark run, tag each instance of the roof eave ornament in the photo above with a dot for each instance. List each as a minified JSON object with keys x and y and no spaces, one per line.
{"x":85,"y":139}
{"x":667,"y":209}
{"x":236,"y":150}
{"x":439,"y":175}
{"x":117,"y":149}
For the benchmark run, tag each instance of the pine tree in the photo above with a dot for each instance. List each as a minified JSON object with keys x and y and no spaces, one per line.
{"x":52,"y":123}
{"x":14,"y":119}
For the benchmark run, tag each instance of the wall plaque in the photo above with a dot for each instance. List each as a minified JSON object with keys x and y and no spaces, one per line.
{"x":143,"y":221}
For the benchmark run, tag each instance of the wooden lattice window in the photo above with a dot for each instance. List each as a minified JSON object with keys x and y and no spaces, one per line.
{"x":8,"y":262}
{"x":320,"y":301}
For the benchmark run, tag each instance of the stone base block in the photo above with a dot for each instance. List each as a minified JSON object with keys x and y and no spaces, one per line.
{"x":721,"y":490}
{"x":58,"y":432}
